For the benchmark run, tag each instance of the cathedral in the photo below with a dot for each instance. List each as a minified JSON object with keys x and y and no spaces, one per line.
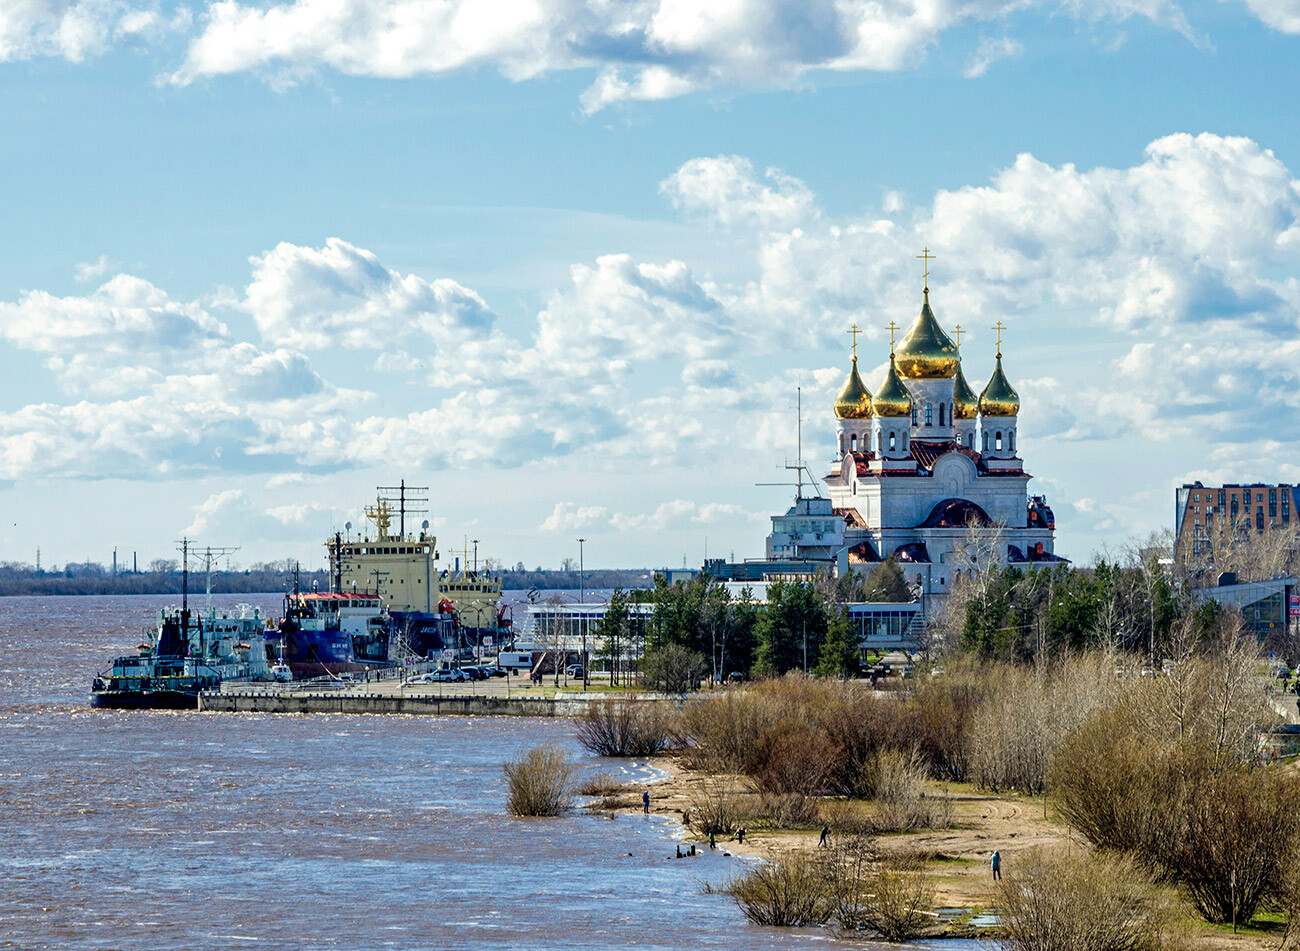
{"x":923,"y":458}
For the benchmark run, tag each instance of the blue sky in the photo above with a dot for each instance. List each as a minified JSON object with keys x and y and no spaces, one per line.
{"x":567,"y":262}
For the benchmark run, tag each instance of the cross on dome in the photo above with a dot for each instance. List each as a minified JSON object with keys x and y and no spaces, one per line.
{"x":927,"y":257}
{"x":892,"y":328}
{"x":854,"y":331}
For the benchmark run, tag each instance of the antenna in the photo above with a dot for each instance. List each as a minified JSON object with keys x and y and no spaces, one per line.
{"x":409,"y":498}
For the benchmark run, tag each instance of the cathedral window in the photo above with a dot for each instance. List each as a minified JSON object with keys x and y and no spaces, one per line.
{"x":941,"y":414}
{"x":986,"y":442}
{"x":997,"y":441}
{"x":1011,"y":436}
{"x":928,"y":415}
{"x":892,"y":443}
{"x":913,"y":414}
{"x":853,"y":443}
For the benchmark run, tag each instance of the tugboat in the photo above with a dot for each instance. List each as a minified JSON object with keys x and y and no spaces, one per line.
{"x":187,"y":652}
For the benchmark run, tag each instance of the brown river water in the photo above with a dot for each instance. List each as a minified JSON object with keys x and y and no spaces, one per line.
{"x":148,"y":830}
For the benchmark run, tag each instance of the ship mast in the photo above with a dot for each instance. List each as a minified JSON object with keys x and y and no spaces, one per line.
{"x":413,"y":499}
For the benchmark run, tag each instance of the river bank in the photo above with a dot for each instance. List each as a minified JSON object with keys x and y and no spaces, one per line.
{"x":957,"y":858}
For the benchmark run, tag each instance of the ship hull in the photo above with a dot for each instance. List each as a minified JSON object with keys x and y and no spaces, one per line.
{"x":144,"y":700}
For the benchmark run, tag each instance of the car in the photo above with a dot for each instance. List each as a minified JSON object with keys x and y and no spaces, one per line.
{"x":497,"y":671}
{"x":446,"y":676}
{"x":573,"y":670}
{"x":474,"y":673}
{"x":735,"y":677}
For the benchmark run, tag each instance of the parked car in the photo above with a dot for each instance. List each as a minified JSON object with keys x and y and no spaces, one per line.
{"x":573,"y":670}
{"x":475,"y":673}
{"x":445,"y":677}
{"x":735,"y":677}
{"x":496,"y":671}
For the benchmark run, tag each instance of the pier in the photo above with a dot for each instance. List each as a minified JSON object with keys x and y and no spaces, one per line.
{"x":471,"y":700}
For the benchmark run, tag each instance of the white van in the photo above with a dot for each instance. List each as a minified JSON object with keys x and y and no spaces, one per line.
{"x":515,"y":660}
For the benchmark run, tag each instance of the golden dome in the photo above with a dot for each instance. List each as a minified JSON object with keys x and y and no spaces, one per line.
{"x":999,"y":397}
{"x":965,"y":404}
{"x":927,"y":353}
{"x":854,"y":401}
{"x":892,"y":399}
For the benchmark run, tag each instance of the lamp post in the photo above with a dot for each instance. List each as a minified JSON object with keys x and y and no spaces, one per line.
{"x":582,"y":599}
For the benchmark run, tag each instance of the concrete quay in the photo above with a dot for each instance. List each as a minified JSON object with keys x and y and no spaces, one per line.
{"x":471,"y":700}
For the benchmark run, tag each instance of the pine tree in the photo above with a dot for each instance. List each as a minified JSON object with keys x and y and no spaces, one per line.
{"x":839,"y":654}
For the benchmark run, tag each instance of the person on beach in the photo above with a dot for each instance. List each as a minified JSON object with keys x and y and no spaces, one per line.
{"x":826,"y":831}
{"x":645,"y":802}
{"x":740,"y":835}
{"x":997,"y":864}
{"x":712,"y":842}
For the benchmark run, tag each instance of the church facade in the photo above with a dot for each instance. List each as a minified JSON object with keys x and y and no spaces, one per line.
{"x":923,"y":458}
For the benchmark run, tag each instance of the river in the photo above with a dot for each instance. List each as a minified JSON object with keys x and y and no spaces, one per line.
{"x":134,"y":830}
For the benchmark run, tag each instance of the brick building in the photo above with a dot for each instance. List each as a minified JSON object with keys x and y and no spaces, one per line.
{"x":1208,"y":518}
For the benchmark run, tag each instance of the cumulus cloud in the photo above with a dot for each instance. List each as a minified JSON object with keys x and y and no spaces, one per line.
{"x":1281,"y":15}
{"x":726,"y":190}
{"x":233,"y":514}
{"x":653,"y":50}
{"x":341,"y":296}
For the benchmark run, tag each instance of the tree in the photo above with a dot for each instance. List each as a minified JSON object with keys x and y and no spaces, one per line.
{"x":838,"y":656}
{"x":790,"y":628}
{"x":886,"y":583}
{"x":612,"y":633}
{"x":672,"y":668}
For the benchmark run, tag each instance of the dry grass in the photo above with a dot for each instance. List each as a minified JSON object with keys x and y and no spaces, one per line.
{"x":791,"y":892}
{"x":717,"y":810}
{"x":600,"y":784}
{"x":540,"y":781}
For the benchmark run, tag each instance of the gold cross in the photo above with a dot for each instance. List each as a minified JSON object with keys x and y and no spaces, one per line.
{"x":854,"y":331}
{"x":892,"y":327}
{"x":927,"y":257}
{"x":957,"y":332}
{"x":999,"y":328}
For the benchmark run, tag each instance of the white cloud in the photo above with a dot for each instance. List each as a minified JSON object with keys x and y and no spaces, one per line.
{"x":676,"y":514}
{"x":92,"y":270}
{"x":571,"y":517}
{"x":726,"y":190}
{"x":233,"y":515}
{"x":72,"y":29}
{"x":1281,"y":15}
{"x":990,"y":50}
{"x":341,"y":296}
{"x":656,"y":49}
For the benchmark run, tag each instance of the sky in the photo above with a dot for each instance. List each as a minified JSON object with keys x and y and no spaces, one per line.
{"x":573,"y":264}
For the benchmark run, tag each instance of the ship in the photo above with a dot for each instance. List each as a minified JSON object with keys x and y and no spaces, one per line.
{"x":187,"y":652}
{"x":449,"y":612}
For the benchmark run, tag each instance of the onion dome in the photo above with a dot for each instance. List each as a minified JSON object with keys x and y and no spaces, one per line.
{"x":999,"y":397}
{"x":892,"y":399}
{"x":965,"y":404}
{"x":854,"y":401}
{"x":927,"y":353}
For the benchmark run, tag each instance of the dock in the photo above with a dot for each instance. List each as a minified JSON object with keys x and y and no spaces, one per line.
{"x":468,"y":700}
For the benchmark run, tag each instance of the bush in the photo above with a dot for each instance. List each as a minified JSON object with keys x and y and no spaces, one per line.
{"x":790,"y":892}
{"x":901,"y":803}
{"x":540,"y":781}
{"x":901,"y":896}
{"x":1055,"y":902}
{"x":788,"y":810}
{"x":625,"y":727}
{"x":715,"y":810}
{"x":600,"y":784}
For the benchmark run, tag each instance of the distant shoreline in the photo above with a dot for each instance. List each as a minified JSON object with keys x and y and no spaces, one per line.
{"x":48,"y":584}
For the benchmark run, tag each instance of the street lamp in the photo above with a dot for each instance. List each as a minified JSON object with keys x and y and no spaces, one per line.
{"x":582,"y":599}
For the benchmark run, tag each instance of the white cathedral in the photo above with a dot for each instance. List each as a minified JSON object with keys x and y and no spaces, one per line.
{"x":916,"y":464}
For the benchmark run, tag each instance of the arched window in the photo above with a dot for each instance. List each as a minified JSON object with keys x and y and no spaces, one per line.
{"x":997,"y":441}
{"x":929,"y":415}
{"x":853,"y":443}
{"x":879,"y":437}
{"x":1011,"y":440}
{"x":913,"y":414}
{"x":892,"y":443}
{"x":970,"y":440}
{"x":907,"y":441}
{"x":941,"y":414}
{"x":986,"y":442}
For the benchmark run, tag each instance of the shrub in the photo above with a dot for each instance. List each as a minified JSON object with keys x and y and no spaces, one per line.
{"x":797,"y":760}
{"x":715,"y":810}
{"x":788,"y":810}
{"x":790,"y":892}
{"x":540,"y":781}
{"x":1238,"y":829}
{"x":625,"y":727}
{"x":1055,"y":902}
{"x":902,"y":895}
{"x":901,"y":803}
{"x":846,"y":818}
{"x":600,"y":784}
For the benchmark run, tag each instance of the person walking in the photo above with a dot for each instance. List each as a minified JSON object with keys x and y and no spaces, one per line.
{"x":997,"y":865}
{"x":740,"y":835}
{"x":826,"y":831}
{"x":645,"y":802}
{"x":713,"y":844}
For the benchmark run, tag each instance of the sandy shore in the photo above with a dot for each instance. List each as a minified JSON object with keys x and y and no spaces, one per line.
{"x":958,"y":857}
